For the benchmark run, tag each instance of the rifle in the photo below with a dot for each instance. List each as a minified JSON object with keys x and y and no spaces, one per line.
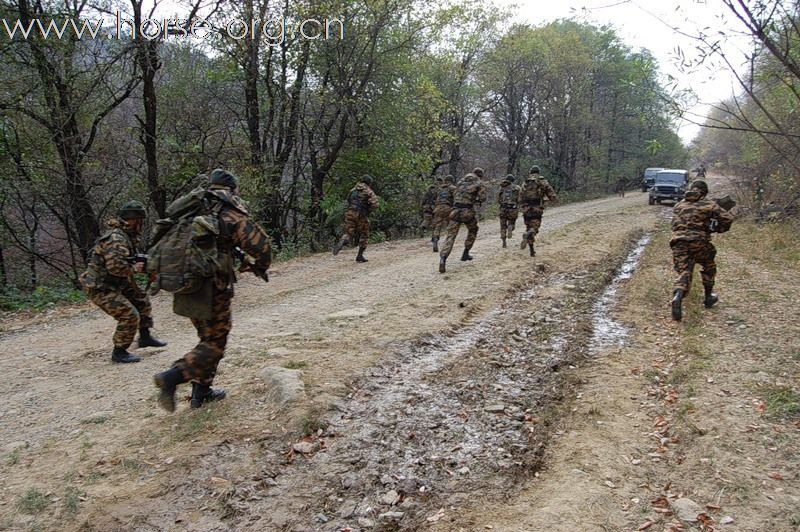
{"x":248,"y":264}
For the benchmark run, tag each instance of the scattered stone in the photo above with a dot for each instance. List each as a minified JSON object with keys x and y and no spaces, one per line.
{"x":306,"y":447}
{"x":386,"y":480}
{"x":350,"y":313}
{"x":497,"y":408}
{"x":279,"y":352}
{"x":321,"y":518}
{"x":686,"y":509}
{"x":390,"y":498}
{"x":570,"y":286}
{"x":285,"y":385}
{"x":463,"y":471}
{"x":364,"y":522}
{"x":391,"y":516}
{"x":348,"y":509}
{"x":727,"y":520}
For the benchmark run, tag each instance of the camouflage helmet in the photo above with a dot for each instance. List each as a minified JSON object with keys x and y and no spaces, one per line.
{"x":449,"y":179}
{"x":535,"y":169}
{"x":132,"y":210}
{"x":700,"y":185}
{"x":511,"y":177}
{"x":223,"y":178}
{"x":478,"y":171}
{"x":366,"y":179}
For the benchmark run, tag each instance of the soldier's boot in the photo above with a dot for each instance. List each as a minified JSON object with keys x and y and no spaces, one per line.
{"x":711,"y":298}
{"x":121,"y":356}
{"x":205,"y":394}
{"x":510,"y":230}
{"x":436,"y":244}
{"x":442,"y":264}
{"x":677,"y":311}
{"x":466,"y":256}
{"x":148,"y":340}
{"x":167,"y":382}
{"x":504,"y":240}
{"x":524,"y":241}
{"x":337,"y":247}
{"x":532,"y":250}
{"x":360,"y":257}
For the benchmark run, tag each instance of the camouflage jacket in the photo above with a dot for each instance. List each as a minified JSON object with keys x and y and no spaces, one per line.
{"x":695,"y":218}
{"x":238,"y":230}
{"x":108,"y":261}
{"x":535,"y":190}
{"x":362,"y":199}
{"x":446,"y":194}
{"x":429,"y":199}
{"x":469,"y":191}
{"x":509,"y":194}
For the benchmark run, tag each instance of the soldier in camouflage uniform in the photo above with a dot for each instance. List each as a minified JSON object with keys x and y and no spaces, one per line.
{"x":508,"y":198}
{"x":693,"y":220}
{"x":535,"y":190}
{"x":109,"y":283}
{"x":441,"y":210}
{"x":360,"y":202}
{"x":200,"y":364}
{"x":469,"y":191}
{"x":428,"y":204}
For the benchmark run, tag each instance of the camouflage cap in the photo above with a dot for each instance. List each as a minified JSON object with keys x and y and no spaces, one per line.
{"x":478,"y":171}
{"x":367,"y":179}
{"x":700,"y":185}
{"x":449,"y":179}
{"x":535,"y":170}
{"x":132,"y":210}
{"x":223,"y":178}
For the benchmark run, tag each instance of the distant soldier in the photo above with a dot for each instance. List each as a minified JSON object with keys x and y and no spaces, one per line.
{"x":508,"y":198}
{"x":360,"y":202}
{"x":441,"y":210}
{"x":622,"y":183}
{"x":534,"y":192}
{"x":469,"y":191}
{"x":236,"y":230}
{"x":693,"y":220}
{"x":428,"y":204}
{"x":700,"y":171}
{"x":109,"y":282}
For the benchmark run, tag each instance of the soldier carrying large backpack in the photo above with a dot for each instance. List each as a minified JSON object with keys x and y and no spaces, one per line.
{"x":534,"y":192}
{"x":442,"y":207}
{"x":469,"y":192}
{"x":508,"y":198}
{"x":361,"y":201}
{"x":192,"y":257}
{"x":109,"y":282}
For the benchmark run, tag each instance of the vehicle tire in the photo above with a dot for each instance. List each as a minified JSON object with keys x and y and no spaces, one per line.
{"x":650,"y":201}
{"x":658,"y":201}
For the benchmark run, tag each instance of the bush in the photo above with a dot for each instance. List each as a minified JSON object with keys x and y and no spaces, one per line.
{"x":13,"y":298}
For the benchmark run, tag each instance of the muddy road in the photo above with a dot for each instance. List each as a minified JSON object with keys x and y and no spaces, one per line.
{"x":375,"y":396}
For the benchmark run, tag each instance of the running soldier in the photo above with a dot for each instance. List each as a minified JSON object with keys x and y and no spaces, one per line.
{"x":236,"y":230}
{"x":693,"y":220}
{"x":109,"y":282}
{"x":429,"y":203}
{"x":469,"y":191}
{"x":535,"y":190}
{"x":508,"y":198}
{"x":360,"y":202}
{"x":441,"y":211}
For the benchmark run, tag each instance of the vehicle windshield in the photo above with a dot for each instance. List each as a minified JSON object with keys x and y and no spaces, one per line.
{"x":671,"y":178}
{"x":650,"y":173}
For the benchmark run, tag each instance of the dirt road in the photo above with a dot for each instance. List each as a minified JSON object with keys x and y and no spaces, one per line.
{"x":453,"y":376}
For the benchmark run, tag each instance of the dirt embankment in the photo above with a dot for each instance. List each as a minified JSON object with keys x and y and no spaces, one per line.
{"x":87,"y":447}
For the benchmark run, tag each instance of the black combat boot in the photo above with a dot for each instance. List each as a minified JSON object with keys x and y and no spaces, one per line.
{"x":531,"y":249}
{"x":466,"y":255}
{"x":360,"y":257}
{"x":148,"y":340}
{"x":523,"y":243}
{"x":167,"y":382}
{"x":711,"y":298}
{"x":504,"y":240}
{"x":121,"y":356}
{"x":442,"y":266}
{"x":205,"y":394}
{"x":436,"y":244}
{"x":677,"y":312}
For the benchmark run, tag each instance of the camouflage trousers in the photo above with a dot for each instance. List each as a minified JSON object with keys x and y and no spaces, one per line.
{"x":356,"y":229}
{"x":532,"y":215}
{"x":687,"y":253}
{"x":128,"y":305}
{"x":427,"y":218}
{"x":200,"y":364}
{"x":441,"y":215}
{"x":460,"y":216}
{"x":508,"y":218}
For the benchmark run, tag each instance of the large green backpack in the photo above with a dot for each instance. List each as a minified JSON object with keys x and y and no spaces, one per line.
{"x":183,"y":252}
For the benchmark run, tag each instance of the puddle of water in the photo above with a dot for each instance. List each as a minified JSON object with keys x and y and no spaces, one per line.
{"x":607,"y":332}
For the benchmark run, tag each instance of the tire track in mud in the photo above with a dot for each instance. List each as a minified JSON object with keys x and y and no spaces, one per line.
{"x":444,"y":420}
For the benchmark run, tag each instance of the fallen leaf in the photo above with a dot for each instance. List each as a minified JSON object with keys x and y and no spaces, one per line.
{"x":713,"y":507}
{"x":775,"y":475}
{"x":219,"y":480}
{"x":646,"y":525}
{"x":760,"y":407}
